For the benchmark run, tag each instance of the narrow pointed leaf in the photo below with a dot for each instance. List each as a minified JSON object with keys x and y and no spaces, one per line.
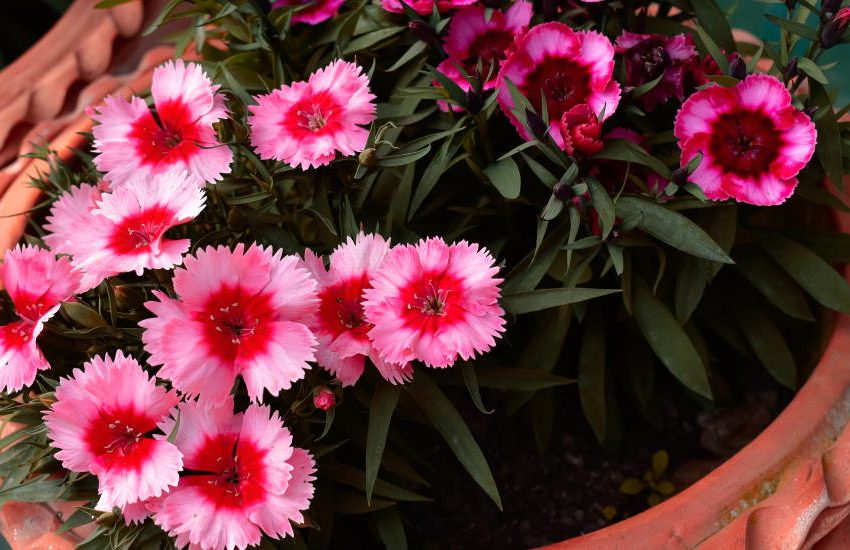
{"x":381,"y":409}
{"x":546,"y":298}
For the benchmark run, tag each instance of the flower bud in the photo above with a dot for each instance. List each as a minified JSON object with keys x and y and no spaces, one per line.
{"x":791,"y":70}
{"x":737,"y":67}
{"x":562,"y":191}
{"x":324,"y":399}
{"x":539,"y":128}
{"x":426,"y":33}
{"x":833,"y":30}
{"x":368,"y":157}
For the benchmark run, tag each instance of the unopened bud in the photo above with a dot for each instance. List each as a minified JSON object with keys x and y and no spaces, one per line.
{"x":737,"y":67}
{"x":426,"y":33}
{"x":562,"y":191}
{"x":679,"y":176}
{"x":539,"y":128}
{"x":324,"y":399}
{"x":791,"y":70}
{"x":834,"y":29}
{"x":368,"y":157}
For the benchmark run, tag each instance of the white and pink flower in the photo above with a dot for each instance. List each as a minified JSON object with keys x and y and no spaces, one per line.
{"x":340,"y":325}
{"x":102,"y":422}
{"x":566,"y":67}
{"x":434,"y":302}
{"x":306,"y":123}
{"x":239,"y":312}
{"x":753,"y":141}
{"x":37,"y":283}
{"x":132,"y":144}
{"x":123,"y":231}
{"x":249,"y":478}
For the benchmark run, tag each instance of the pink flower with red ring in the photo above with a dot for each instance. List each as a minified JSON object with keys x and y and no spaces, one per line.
{"x":239,"y":312}
{"x":125,"y":230}
{"x":435,"y":302}
{"x":425,"y":7}
{"x":315,"y":12}
{"x":102,"y":422}
{"x":340,"y":324}
{"x":306,"y":123}
{"x":649,"y":57}
{"x":132,"y":144}
{"x":472,"y":36}
{"x":581,"y":132}
{"x":248,"y":479}
{"x":569,"y":68}
{"x":37,"y":283}
{"x":753,"y":141}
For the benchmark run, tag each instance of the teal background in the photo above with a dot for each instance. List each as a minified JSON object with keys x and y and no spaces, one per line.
{"x":749,"y":15}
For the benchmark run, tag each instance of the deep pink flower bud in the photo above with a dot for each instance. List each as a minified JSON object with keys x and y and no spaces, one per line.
{"x":834,"y":29}
{"x":581,"y":131}
{"x":324,"y":399}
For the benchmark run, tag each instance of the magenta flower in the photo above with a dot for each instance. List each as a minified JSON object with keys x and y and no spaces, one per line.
{"x":581,"y":131}
{"x":753,"y":141}
{"x":434,"y":302}
{"x":37,"y":283}
{"x":472,"y":36}
{"x":569,"y":68}
{"x":652,"y":56}
{"x":425,"y":7}
{"x":133,"y":145}
{"x":123,"y":231}
{"x":250,"y":479}
{"x":316,"y":12}
{"x":240,"y":312}
{"x":101,"y":423}
{"x":306,"y":123}
{"x":340,"y":325}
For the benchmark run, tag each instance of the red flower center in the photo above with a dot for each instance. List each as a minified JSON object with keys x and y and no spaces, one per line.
{"x":119,"y":436}
{"x":141,"y":230}
{"x":491,"y":45}
{"x":31,"y":307}
{"x":311,"y":115}
{"x":745,"y":142}
{"x":564,"y":82}
{"x":231,"y":473}
{"x":236,"y":324}
{"x":341,"y":308}
{"x":171,"y":137}
{"x":432,"y":302}
{"x":17,"y":334}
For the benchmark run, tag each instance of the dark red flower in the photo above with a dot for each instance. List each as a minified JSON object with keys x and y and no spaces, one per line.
{"x":581,"y":131}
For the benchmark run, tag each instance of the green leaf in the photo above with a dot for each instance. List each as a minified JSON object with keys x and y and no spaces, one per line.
{"x":536,"y":300}
{"x":417,"y":48}
{"x":767,"y":343}
{"x":668,"y":339}
{"x":811,"y":68}
{"x":391,"y":529}
{"x":817,"y":277}
{"x":519,"y":379}
{"x":364,"y":42}
{"x":403,"y":158}
{"x":626,"y":151}
{"x":773,"y":283}
{"x":80,"y":517}
{"x":445,"y":418}
{"x":603,"y":205}
{"x":829,"y":136}
{"x":353,"y":477}
{"x":712,"y":48}
{"x":591,"y":375}
{"x":670,"y":227}
{"x":793,"y":27}
{"x":470,"y":378}
{"x":349,"y":502}
{"x":712,"y":18}
{"x":504,"y":175}
{"x":83,"y":315}
{"x":38,"y":489}
{"x":381,"y":409}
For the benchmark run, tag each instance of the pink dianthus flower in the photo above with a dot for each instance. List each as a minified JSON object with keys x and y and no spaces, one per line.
{"x":434,"y":302}
{"x":101,"y":423}
{"x":753,"y":141}
{"x":306,"y":123}
{"x":250,"y":479}
{"x":340,"y":325}
{"x":37,"y":283}
{"x":238,"y":312}
{"x":132,"y":144}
